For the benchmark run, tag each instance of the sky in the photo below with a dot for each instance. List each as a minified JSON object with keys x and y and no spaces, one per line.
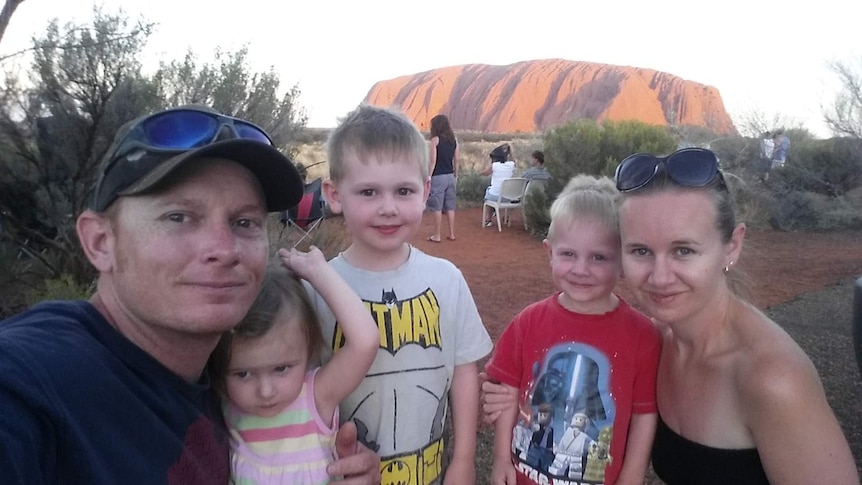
{"x":767,"y":58}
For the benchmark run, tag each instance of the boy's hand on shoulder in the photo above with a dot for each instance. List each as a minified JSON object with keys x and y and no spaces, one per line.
{"x":305,"y":265}
{"x":495,"y":398}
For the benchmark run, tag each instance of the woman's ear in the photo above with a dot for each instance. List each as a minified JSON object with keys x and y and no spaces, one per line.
{"x":734,"y":246}
{"x":97,"y":239}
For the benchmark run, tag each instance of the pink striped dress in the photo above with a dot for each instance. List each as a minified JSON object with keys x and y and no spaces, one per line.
{"x":292,"y":447}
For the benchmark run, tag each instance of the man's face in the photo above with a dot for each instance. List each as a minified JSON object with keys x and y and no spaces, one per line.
{"x":191,"y":257}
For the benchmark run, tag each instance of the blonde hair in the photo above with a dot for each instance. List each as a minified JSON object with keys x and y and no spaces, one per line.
{"x":586,"y":196}
{"x":369,"y":129}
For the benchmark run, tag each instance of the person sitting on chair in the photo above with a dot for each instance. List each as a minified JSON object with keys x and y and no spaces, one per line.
{"x":537,"y":171}
{"x":501,"y":168}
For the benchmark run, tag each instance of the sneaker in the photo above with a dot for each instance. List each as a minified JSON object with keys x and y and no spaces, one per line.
{"x":488,"y":224}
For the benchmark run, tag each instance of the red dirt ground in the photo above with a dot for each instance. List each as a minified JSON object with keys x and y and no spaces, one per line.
{"x":508,"y":270}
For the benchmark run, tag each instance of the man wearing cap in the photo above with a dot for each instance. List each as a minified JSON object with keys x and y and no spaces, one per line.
{"x":113,"y":390}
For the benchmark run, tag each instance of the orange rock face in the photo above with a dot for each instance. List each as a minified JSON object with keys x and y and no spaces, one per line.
{"x":537,"y":95}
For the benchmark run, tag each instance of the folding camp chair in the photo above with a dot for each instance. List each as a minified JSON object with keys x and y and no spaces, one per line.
{"x":308,"y":214}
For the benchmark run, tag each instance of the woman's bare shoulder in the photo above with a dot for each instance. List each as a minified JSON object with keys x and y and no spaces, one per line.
{"x":773,"y":368}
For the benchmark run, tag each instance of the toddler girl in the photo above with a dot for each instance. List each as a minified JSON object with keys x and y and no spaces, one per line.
{"x":282,"y":413}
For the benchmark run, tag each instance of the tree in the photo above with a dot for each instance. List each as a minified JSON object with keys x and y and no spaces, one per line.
{"x":85,"y":82}
{"x":230,"y":86}
{"x":844,"y":116}
{"x":6,"y":14}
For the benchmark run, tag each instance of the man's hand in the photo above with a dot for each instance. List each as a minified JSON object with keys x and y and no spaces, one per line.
{"x":356,"y":464}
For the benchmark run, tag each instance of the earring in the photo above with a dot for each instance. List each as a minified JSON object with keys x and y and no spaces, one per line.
{"x":727,"y":268}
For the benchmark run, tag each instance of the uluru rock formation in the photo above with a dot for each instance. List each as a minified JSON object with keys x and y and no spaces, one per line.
{"x":536,"y":95}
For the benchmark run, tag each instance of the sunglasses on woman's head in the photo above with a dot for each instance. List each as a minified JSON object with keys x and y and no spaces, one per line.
{"x":689,"y":167}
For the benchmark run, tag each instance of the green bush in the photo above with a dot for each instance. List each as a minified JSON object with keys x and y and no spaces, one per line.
{"x":571,"y":149}
{"x":537,"y":211}
{"x":810,"y":211}
{"x":738,"y":154}
{"x":754,"y":204}
{"x":584,"y":146}
{"x":828,"y":167}
{"x":471,"y":187}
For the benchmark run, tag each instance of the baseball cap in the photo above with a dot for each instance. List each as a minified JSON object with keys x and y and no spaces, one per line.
{"x":147,"y":150}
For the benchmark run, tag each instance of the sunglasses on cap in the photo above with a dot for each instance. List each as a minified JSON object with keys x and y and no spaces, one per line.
{"x":148,"y":148}
{"x":688,"y":167}
{"x":184,"y":129}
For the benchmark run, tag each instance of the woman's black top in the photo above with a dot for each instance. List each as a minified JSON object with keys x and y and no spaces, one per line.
{"x":445,"y":157}
{"x":678,"y":461}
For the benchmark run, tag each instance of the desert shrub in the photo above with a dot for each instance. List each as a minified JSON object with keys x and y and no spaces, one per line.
{"x":737,"y":154}
{"x":622,"y":138}
{"x":799,"y":210}
{"x":494,"y":138}
{"x":537,"y":210}
{"x":692,"y":136}
{"x":474,"y":155}
{"x":62,"y":288}
{"x":828,"y":167}
{"x":312,"y":135}
{"x":753,"y":203}
{"x":584,"y":146}
{"x":571,"y":149}
{"x":813,"y":191}
{"x":471,"y":187}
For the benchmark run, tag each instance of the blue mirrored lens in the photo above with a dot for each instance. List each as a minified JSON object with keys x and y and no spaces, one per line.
{"x":181,"y":129}
{"x":251,"y":132}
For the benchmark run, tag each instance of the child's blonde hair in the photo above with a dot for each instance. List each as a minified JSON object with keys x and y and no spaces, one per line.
{"x":586,"y":196}
{"x":281,"y":290}
{"x":369,"y":129}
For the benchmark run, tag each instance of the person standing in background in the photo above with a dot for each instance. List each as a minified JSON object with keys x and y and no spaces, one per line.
{"x":782,"y":146}
{"x":767,"y":146}
{"x":444,"y":173}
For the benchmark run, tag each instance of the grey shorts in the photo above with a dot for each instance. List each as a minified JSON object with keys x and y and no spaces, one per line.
{"x":442,"y":196}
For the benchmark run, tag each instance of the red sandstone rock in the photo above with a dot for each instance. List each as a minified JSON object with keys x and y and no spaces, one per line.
{"x":537,"y":95}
